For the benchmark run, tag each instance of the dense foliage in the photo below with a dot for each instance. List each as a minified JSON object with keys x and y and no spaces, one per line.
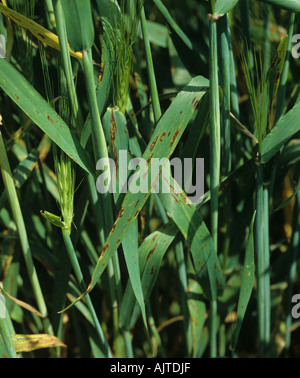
{"x":143,"y":274}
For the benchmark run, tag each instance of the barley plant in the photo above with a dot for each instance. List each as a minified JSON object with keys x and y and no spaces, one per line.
{"x":130,"y":271}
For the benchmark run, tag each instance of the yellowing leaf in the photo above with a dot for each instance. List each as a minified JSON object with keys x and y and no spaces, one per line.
{"x":29,"y":343}
{"x":22,"y":304}
{"x":41,"y":33}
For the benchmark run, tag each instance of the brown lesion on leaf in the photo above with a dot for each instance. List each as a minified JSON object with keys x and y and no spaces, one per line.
{"x":175,"y":198}
{"x":162,"y":136}
{"x":154,"y":237}
{"x":50,"y":119}
{"x":274,"y":61}
{"x":113,"y":228}
{"x":184,"y":197}
{"x":174,"y":137}
{"x":101,"y":74}
{"x":153,"y":143}
{"x":105,"y":247}
{"x":181,"y":193}
{"x":195,"y":105}
{"x":12,"y":16}
{"x":121,"y":212}
{"x":151,"y":252}
{"x":149,"y":158}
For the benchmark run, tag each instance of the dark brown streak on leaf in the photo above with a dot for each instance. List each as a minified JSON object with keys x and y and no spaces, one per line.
{"x":101,"y":73}
{"x":195,"y":105}
{"x":14,"y":18}
{"x":175,"y":198}
{"x":154,"y":237}
{"x":149,"y":158}
{"x":121,"y":212}
{"x":274,"y":61}
{"x":104,"y":250}
{"x":174,"y":137}
{"x":50,"y":119}
{"x":153,"y":143}
{"x":114,"y":227}
{"x":151,"y":252}
{"x":162,"y":136}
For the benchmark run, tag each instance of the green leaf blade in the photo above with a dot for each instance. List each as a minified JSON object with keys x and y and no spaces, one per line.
{"x":42,"y":114}
{"x":281,"y":133}
{"x":79,"y":24}
{"x":247,"y":284}
{"x":223,"y":6}
{"x":291,"y":5}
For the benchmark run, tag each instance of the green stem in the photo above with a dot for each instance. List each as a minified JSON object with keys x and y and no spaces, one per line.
{"x":182,"y":274}
{"x":267,"y":44}
{"x":79,"y":277}
{"x":100,"y":151}
{"x":154,"y":330}
{"x":224,"y":37}
{"x":67,"y":66}
{"x":128,"y":344}
{"x":237,"y":155}
{"x":260,"y":256}
{"x":150,"y":69}
{"x":294,"y":248}
{"x":50,"y":13}
{"x":98,"y":137}
{"x":113,"y":273}
{"x":246,"y":28}
{"x":23,"y":237}
{"x":215,"y":145}
{"x":213,"y":328}
{"x":225,"y":80}
{"x":267,"y":267}
{"x":285,"y":72}
{"x":215,"y":151}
